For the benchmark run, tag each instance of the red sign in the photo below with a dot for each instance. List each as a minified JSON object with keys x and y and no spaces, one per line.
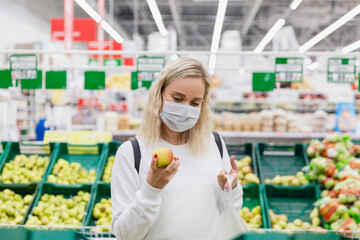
{"x":94,"y":45}
{"x":88,"y":102}
{"x":84,"y":29}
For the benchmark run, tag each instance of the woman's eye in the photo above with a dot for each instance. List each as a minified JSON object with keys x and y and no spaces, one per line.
{"x":195,"y":104}
{"x":177,"y":99}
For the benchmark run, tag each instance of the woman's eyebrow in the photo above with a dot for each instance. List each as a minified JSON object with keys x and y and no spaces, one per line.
{"x":182,"y":95}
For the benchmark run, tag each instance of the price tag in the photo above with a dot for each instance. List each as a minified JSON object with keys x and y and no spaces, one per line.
{"x":23,"y":66}
{"x":149,"y":68}
{"x":341,"y":70}
{"x":289,"y":69}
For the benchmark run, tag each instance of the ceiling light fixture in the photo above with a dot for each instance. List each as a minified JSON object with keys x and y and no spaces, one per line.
{"x":295,"y":4}
{"x":220,"y":15}
{"x":111,"y":31}
{"x":157,"y":16}
{"x":269,"y":36}
{"x":313,"y":66}
{"x":89,"y":10}
{"x":327,"y":31}
{"x":351,"y":47}
{"x":212,"y":61}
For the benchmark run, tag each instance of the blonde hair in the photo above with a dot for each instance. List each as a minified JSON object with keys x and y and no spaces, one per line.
{"x":150,"y":128}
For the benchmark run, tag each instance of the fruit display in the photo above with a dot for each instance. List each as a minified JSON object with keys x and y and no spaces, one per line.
{"x":298,"y":180}
{"x":13,"y":207}
{"x":164,"y":156}
{"x":56,"y":210}
{"x":102,"y":213}
{"x":335,"y":166}
{"x":246,"y":174}
{"x":280,"y":221}
{"x":70,"y":173}
{"x":24,"y":169}
{"x":108,"y":169}
{"x":253,"y":218}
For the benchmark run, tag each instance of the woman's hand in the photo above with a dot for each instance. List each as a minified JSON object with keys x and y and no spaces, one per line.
{"x":160,"y":177}
{"x":222,"y":179}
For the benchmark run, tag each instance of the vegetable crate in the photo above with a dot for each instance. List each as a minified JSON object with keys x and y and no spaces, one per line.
{"x":89,"y":156}
{"x":14,"y":149}
{"x":253,"y":196}
{"x":279,"y":160}
{"x":294,"y":202}
{"x":112,"y":149}
{"x":242,"y":150}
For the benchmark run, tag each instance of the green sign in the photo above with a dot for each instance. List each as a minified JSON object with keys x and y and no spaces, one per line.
{"x":94,"y":80}
{"x":32,"y":83}
{"x":112,"y":62}
{"x":289,"y":69}
{"x":263,"y":81}
{"x":134,"y":81}
{"x":55,"y":80}
{"x":149,"y":68}
{"x":341,"y":70}
{"x":23,"y":66}
{"x":5,"y":79}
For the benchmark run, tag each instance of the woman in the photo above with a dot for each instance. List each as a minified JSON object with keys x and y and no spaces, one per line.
{"x":179,"y":201}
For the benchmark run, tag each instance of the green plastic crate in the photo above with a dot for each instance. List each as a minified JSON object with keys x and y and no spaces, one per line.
{"x":31,"y":189}
{"x":263,"y":236}
{"x":243,"y":150}
{"x":13,"y":149}
{"x":87,"y":161}
{"x":315,"y":236}
{"x":42,"y":234}
{"x":10,"y":233}
{"x":253,"y":196}
{"x":103,"y":190}
{"x":112,"y":149}
{"x":67,"y":192}
{"x":279,"y":160}
{"x":294,"y":202}
{"x":3,"y":150}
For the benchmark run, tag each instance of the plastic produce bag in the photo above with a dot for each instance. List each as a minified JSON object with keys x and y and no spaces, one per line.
{"x":229,"y":224}
{"x":332,"y":210}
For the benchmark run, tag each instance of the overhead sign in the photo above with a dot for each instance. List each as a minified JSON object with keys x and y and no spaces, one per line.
{"x":263,"y":81}
{"x":341,"y":70}
{"x":23,"y":66}
{"x":84,"y":29}
{"x":289,"y":69}
{"x":149,"y":68}
{"x":107,"y":45}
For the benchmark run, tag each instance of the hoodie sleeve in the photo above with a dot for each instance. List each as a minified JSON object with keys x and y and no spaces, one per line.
{"x":134,"y":206}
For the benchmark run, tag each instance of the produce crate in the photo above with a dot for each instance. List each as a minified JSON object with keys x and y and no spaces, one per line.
{"x":263,"y":236}
{"x":112,"y":149}
{"x":253,"y":196}
{"x":41,"y":234}
{"x":90,"y":157}
{"x":294,"y":202}
{"x":279,"y":160}
{"x":15,"y":148}
{"x":11,"y":233}
{"x":31,"y":189}
{"x":103,"y":190}
{"x":315,"y":236}
{"x":67,"y":192}
{"x":243,"y":150}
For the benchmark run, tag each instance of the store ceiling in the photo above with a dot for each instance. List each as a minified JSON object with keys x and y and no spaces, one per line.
{"x":194,"y":19}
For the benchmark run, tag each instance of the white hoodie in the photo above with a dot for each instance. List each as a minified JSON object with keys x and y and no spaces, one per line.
{"x":184,"y":209}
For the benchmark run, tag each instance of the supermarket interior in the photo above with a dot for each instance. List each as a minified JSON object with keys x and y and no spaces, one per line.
{"x":75,"y":77}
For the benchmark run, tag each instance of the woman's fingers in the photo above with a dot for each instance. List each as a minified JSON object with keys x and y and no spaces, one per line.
{"x":222,"y":179}
{"x":234,"y":166}
{"x":153,"y":164}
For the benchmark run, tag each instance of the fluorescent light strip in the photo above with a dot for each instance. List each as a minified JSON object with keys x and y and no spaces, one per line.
{"x":269,"y":36}
{"x":114,"y":34}
{"x":327,"y":31}
{"x":220,"y":15}
{"x":313,"y":66}
{"x":212,"y":61}
{"x":351,"y":47}
{"x":295,"y":4}
{"x":89,"y":10}
{"x":157,"y":16}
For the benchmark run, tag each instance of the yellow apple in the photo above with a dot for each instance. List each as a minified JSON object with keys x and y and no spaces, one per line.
{"x":164,"y":157}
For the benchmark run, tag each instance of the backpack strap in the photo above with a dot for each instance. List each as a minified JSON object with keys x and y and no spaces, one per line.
{"x":137,"y":153}
{"x":218,"y":143}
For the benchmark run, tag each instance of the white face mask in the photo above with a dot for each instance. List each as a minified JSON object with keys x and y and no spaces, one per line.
{"x":179,"y":117}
